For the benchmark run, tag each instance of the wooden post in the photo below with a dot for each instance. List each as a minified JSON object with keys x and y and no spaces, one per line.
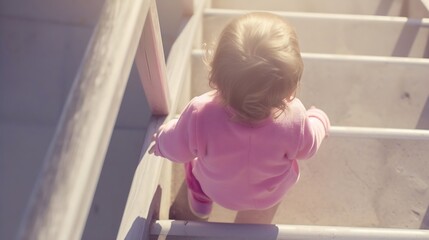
{"x":150,"y":64}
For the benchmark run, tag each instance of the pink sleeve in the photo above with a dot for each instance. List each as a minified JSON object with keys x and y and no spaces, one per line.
{"x":315,"y":129}
{"x":176,"y":140}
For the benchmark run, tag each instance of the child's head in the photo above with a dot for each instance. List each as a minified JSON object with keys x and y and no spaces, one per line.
{"x":256,"y":65}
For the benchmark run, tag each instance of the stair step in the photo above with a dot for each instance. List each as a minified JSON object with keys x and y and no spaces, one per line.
{"x":342,"y":34}
{"x":361,"y":91}
{"x":173,"y":229}
{"x":413,"y":8}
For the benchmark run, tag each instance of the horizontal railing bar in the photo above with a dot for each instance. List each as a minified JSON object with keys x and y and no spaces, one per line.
{"x":344,"y":57}
{"x":334,"y":16}
{"x":209,"y":230}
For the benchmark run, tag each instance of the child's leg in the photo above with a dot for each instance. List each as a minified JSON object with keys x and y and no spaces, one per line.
{"x":194,"y":186}
{"x":257,"y":216}
{"x":199,"y":203}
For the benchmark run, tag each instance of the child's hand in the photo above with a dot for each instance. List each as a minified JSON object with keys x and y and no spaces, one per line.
{"x":153,"y":144}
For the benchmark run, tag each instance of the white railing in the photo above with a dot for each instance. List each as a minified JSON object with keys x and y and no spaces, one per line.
{"x":153,"y":174}
{"x":60,"y":202}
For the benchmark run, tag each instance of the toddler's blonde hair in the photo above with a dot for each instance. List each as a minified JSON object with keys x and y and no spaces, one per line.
{"x":257,"y":65}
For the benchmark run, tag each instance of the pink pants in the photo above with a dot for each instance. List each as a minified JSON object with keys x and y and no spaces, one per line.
{"x":194,"y":186}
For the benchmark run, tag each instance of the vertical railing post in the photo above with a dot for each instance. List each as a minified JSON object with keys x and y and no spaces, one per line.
{"x":150,"y":64}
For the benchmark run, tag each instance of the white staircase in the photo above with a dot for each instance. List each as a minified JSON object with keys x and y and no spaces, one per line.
{"x":366,"y":65}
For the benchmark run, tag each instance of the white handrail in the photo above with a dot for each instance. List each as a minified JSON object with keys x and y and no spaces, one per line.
{"x":62,"y":197}
{"x":229,"y":231}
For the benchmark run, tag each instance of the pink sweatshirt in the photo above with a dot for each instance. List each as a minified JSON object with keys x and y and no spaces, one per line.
{"x":242,"y":166}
